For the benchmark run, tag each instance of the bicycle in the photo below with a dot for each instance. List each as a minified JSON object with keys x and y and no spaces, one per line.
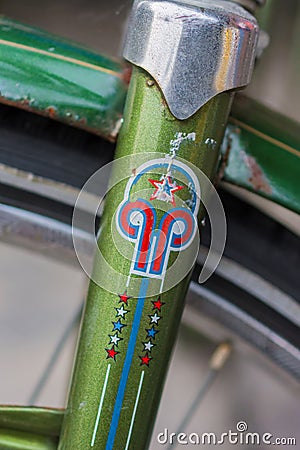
{"x":51,"y":112}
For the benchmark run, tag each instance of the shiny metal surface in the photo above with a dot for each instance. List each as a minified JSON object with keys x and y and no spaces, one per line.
{"x":207,"y":303}
{"x":42,"y":235}
{"x":258,"y":287}
{"x":193,"y":49}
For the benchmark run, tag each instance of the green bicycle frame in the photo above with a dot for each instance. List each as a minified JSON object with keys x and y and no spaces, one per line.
{"x":102,"y":369}
{"x":149,"y":222}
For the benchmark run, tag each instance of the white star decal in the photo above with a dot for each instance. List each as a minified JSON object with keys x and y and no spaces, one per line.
{"x":114,"y":339}
{"x":121,"y":311}
{"x":148,"y":346}
{"x":155,"y":318}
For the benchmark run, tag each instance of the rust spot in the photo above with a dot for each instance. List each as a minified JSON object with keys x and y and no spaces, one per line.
{"x":257,"y":179}
{"x":25,"y":102}
{"x":126,"y":74}
{"x":26,"y":105}
{"x":227,"y":152}
{"x":51,"y":111}
{"x":163,"y":101}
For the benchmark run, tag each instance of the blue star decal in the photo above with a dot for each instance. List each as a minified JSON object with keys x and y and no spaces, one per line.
{"x":118,"y":325}
{"x":168,"y":189}
{"x":151,"y":332}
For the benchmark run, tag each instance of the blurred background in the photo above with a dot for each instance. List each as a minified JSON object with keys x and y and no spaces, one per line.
{"x":40,"y":297}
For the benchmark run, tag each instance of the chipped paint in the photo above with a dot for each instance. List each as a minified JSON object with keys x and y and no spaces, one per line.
{"x":257,"y":179}
{"x":51,"y":111}
{"x":150,"y":82}
{"x":126,"y":74}
{"x":115,"y":131}
{"x":227,"y":144}
{"x":211,"y":143}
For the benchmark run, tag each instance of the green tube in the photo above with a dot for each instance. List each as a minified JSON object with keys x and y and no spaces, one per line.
{"x":20,"y":440}
{"x":50,"y":76}
{"x":122,"y":356}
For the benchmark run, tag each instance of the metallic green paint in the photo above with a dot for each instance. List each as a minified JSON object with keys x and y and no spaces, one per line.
{"x":148,"y":127}
{"x":50,"y":76}
{"x":43,"y":421}
{"x":29,"y":428}
{"x":20,"y":440}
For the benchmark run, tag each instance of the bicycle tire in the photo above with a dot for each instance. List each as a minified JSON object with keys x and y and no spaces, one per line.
{"x":35,"y":148}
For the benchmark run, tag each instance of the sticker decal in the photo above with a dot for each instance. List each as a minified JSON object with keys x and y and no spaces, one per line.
{"x":158,"y":222}
{"x":155,"y":238}
{"x":149,"y":343}
{"x":137,"y":222}
{"x":112,"y":350}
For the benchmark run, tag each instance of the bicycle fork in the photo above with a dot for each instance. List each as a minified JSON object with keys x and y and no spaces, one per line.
{"x":187,"y":59}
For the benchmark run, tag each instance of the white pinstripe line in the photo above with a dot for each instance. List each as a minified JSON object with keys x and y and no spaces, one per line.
{"x":100,"y":406}
{"x":134,"y":410}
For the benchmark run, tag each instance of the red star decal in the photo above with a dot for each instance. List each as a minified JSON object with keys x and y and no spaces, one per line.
{"x":165,"y":189}
{"x":158,"y":304}
{"x":124,"y":298}
{"x":145,"y":360}
{"x":111,"y":353}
